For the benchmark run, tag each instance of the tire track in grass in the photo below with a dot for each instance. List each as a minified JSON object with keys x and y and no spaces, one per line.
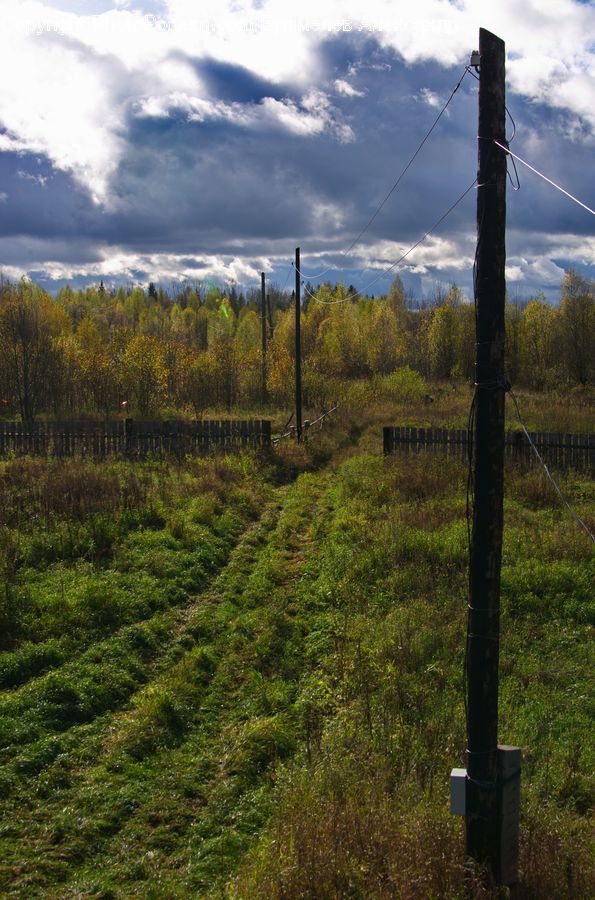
{"x":44,"y":771}
{"x":201,"y":562}
{"x":57,"y":710}
{"x":185,"y":772}
{"x":248,"y":722}
{"x":168,"y":547}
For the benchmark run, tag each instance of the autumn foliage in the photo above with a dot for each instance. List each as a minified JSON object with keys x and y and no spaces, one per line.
{"x":95,"y":352}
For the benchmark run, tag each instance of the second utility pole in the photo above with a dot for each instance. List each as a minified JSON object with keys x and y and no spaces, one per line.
{"x":298,"y":350}
{"x":263,"y":316}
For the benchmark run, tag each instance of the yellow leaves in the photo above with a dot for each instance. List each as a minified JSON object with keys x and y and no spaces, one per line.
{"x":144,"y":372}
{"x":88,"y":336}
{"x":538,"y":340}
{"x":384,"y":342}
{"x":443,"y":340}
{"x":280,"y":376}
{"x":249,"y":331}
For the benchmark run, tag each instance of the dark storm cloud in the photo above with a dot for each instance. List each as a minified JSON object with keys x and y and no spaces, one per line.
{"x":227,"y":81}
{"x":208,"y":182}
{"x":42,"y":202}
{"x":217,"y":181}
{"x":240,"y":183}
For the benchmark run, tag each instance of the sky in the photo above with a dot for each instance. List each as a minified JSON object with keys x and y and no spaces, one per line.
{"x":174,"y":140}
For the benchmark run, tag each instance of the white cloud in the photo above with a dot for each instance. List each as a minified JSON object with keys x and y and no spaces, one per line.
{"x":328,"y":216}
{"x":56,"y":101}
{"x":197,"y":109}
{"x":539,"y":270}
{"x":41,"y":180}
{"x":312,"y":116}
{"x":315,"y":116}
{"x":120,"y":265}
{"x":431,"y":98}
{"x":11,"y":273}
{"x":347,"y":90}
{"x":436,"y":253}
{"x":538,"y":265}
{"x":62,"y":95}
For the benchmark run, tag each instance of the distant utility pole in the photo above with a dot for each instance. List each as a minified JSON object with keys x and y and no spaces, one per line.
{"x":298,"y":350}
{"x":270,"y":311}
{"x":489,"y":830}
{"x":263,"y":316}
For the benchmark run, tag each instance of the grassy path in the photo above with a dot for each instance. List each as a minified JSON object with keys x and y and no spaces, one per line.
{"x":287,"y":730}
{"x":182,"y":768}
{"x":65,"y":709}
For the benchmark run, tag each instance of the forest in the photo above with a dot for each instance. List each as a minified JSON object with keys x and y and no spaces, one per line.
{"x":95,"y":352}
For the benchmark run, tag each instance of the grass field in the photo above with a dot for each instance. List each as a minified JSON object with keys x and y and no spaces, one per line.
{"x":239,"y":678}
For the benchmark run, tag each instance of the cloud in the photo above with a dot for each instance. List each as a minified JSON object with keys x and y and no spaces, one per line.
{"x":120,"y":265}
{"x":544,"y":272}
{"x":227,"y":131}
{"x":312,"y":114}
{"x":343,"y":87}
{"x":88,"y":68}
{"x":41,"y":180}
{"x":431,"y":98}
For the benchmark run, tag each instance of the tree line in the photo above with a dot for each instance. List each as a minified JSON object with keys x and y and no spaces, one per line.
{"x":97,"y":352}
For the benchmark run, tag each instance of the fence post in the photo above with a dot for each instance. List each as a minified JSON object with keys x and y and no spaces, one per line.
{"x":387,"y":442}
{"x":128,"y":431}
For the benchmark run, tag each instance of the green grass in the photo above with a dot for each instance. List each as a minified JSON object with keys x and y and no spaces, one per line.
{"x":255,"y":688}
{"x":361,"y":810}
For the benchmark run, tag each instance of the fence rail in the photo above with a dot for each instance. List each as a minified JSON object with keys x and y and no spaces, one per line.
{"x":563,"y":450}
{"x":131,"y":438}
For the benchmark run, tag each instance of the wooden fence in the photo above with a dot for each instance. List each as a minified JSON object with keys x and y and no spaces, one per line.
{"x":561,"y":450}
{"x":131,"y":438}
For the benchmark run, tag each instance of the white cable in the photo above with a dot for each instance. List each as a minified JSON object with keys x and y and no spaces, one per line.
{"x":545,"y":178}
{"x":547,"y":471}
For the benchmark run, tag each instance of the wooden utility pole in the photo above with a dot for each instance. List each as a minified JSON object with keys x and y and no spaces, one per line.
{"x":263,"y":316}
{"x":298,"y":349}
{"x":270,"y":317}
{"x":483,"y":820}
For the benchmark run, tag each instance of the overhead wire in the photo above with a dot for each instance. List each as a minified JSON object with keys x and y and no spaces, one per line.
{"x":286,"y":277}
{"x":547,"y":471}
{"x":395,"y":185}
{"x":398,"y":261}
{"x":517,"y":186}
{"x":545,"y":178}
{"x":508,"y":143}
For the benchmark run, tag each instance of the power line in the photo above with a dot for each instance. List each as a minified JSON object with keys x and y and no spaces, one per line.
{"x":287,"y":276}
{"x":399,"y":260}
{"x":397,"y":182}
{"x":547,"y":471}
{"x":545,"y":178}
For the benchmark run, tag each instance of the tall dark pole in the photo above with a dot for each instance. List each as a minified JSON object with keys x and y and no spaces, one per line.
{"x":270,"y":317}
{"x":298,"y":349}
{"x":482,"y":816}
{"x":263,"y":315}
